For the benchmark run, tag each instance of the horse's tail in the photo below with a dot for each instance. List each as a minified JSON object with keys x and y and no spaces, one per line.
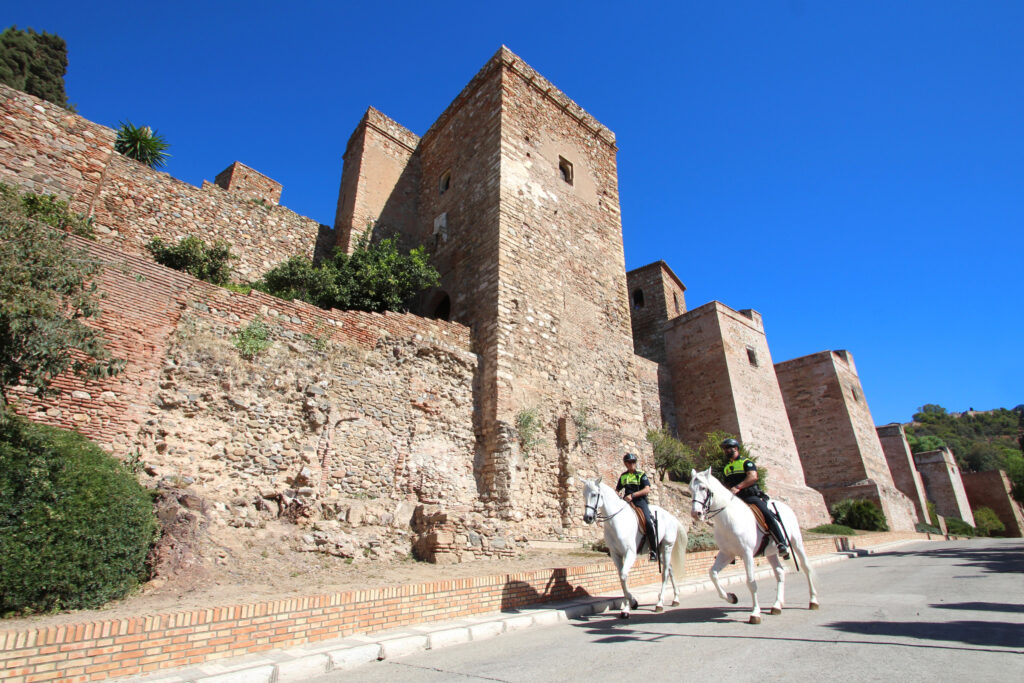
{"x":679,"y":553}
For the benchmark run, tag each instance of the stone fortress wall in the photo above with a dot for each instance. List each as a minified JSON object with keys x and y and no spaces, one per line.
{"x":514,"y":192}
{"x":840,"y":450}
{"x":46,"y":149}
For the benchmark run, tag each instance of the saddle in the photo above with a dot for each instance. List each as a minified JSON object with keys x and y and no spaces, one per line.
{"x":641,"y":520}
{"x":762,"y":524}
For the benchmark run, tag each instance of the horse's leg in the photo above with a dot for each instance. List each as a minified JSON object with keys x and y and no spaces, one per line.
{"x":721,"y":560}
{"x":780,"y":582}
{"x":748,"y":565}
{"x":805,"y":565}
{"x":624,"y":568}
{"x":666,"y":571}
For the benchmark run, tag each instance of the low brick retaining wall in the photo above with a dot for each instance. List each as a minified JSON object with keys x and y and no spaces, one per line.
{"x":96,"y":650}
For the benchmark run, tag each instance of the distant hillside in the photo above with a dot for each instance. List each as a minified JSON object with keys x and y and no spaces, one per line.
{"x":981,"y":440}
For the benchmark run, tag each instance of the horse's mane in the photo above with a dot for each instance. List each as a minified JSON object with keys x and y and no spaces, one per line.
{"x":711,"y":481}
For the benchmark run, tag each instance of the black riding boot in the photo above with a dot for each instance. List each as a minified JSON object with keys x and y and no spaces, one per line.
{"x":652,"y":541}
{"x":778,"y":535}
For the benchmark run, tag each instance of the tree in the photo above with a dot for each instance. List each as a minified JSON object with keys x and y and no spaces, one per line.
{"x":48,"y":292}
{"x":710,"y":454}
{"x":34,"y":63}
{"x":671,"y":456}
{"x":375,"y":277}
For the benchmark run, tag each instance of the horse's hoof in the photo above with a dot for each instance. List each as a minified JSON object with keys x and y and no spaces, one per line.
{"x":634,"y":605}
{"x":776,"y":611}
{"x":623,"y":615}
{"x":659,"y":608}
{"x":754,"y":620}
{"x":675,"y":603}
{"x":732,"y":598}
{"x":814,"y":605}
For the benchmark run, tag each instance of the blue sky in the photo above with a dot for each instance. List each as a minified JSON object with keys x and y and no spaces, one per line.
{"x":852,"y":170}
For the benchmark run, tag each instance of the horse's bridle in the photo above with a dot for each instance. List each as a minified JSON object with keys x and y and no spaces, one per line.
{"x":597,"y":517}
{"x":706,"y":505}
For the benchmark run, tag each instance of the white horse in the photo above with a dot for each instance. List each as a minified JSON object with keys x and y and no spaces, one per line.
{"x":622,"y":535}
{"x":737,"y":534}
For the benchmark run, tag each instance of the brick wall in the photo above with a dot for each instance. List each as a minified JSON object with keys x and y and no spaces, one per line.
{"x":46,"y":149}
{"x":840,"y":450}
{"x":943,"y":484}
{"x":901,"y":464}
{"x":723,"y":379}
{"x":993,"y":490}
{"x":96,"y":650}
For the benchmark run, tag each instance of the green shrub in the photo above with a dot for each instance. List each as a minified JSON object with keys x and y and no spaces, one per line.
{"x":192,"y":255}
{"x":54,"y":212}
{"x":253,"y":339}
{"x":528,"y":428}
{"x":375,"y":277}
{"x":958,"y":527}
{"x":927,"y":529}
{"x":987,"y":521}
{"x":833,"y":530}
{"x":142,"y":144}
{"x":933,"y":516}
{"x":75,"y":525}
{"x":859,"y":514}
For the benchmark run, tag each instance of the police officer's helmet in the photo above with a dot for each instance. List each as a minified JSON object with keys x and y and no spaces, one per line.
{"x":629,"y":457}
{"x":730,"y":442}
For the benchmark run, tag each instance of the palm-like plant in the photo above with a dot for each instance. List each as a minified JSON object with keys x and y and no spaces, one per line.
{"x":142,"y":144}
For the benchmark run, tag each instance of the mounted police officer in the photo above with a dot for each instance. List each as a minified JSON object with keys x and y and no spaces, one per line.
{"x":635,"y":486}
{"x":740,"y":475}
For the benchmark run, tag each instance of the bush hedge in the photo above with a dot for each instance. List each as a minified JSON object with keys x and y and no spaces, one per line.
{"x":75,"y":525}
{"x":859,"y":514}
{"x":958,"y":527}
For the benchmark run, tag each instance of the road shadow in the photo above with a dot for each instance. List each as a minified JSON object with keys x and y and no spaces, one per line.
{"x":981,"y":606}
{"x":640,"y":627}
{"x":516,"y":594}
{"x":1002,"y":559}
{"x":982,"y":633}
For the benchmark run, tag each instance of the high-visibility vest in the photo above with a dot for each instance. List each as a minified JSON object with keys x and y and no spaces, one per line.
{"x":631,"y":479}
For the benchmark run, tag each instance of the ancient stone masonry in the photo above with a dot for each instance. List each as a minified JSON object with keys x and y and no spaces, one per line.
{"x":723,"y":379}
{"x":901,"y":464}
{"x":385,"y":433}
{"x":993,"y":490}
{"x":516,"y":196}
{"x":46,"y":149}
{"x":943,"y":484}
{"x":840,"y":451}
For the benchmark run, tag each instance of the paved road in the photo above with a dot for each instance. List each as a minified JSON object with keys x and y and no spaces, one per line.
{"x":939,"y":611}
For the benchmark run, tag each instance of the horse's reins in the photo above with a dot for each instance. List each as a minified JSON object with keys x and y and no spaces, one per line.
{"x":600,"y":517}
{"x":706,"y":505}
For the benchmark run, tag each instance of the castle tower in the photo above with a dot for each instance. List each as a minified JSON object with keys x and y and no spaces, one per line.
{"x":943,"y":484}
{"x":901,"y":464}
{"x":514,"y":190}
{"x":656,"y":296}
{"x":723,"y":379}
{"x":840,"y":451}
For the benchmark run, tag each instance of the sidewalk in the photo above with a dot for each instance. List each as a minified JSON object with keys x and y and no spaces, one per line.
{"x":306,"y":662}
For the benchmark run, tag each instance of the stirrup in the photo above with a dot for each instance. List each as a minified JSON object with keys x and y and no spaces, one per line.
{"x":784,"y":552}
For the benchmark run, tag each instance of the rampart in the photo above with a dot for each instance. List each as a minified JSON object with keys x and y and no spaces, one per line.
{"x":993,"y":490}
{"x":901,"y":464}
{"x":46,"y":149}
{"x":723,"y":379}
{"x":943,"y":484}
{"x":840,"y":451}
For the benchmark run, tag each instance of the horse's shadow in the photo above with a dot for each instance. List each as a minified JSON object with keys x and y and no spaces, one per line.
{"x":609,"y":628}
